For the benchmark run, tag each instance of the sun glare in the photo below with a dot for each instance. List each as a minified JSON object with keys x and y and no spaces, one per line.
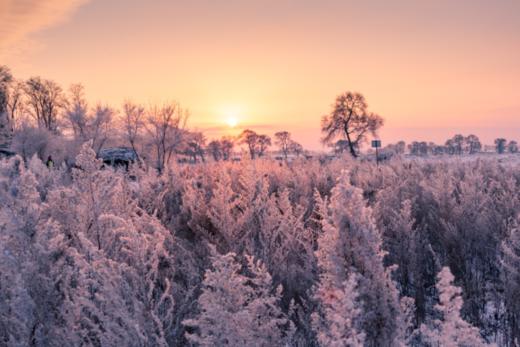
{"x":232,"y":121}
{"x":230,"y":115}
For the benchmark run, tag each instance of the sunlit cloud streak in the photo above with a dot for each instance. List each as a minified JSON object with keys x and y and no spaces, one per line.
{"x":20,"y":18}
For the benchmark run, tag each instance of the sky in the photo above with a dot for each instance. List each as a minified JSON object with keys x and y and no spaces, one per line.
{"x":429,"y":68}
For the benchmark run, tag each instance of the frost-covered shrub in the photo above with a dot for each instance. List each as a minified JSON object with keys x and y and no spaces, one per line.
{"x":237,"y":309}
{"x":103,"y":257}
{"x":350,"y":246}
{"x":450,"y":329}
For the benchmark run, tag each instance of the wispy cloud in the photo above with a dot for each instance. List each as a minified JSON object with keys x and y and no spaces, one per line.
{"x":19,"y":18}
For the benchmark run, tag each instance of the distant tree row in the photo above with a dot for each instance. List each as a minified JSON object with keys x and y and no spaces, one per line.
{"x":458,"y":145}
{"x":502,"y":145}
{"x":39,"y":117}
{"x":44,"y":117}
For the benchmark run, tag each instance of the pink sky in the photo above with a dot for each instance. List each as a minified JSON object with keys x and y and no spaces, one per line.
{"x":430,"y":68}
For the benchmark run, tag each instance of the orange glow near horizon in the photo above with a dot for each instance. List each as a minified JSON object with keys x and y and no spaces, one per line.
{"x":431,"y":69}
{"x":232,"y":121}
{"x":231,"y":115}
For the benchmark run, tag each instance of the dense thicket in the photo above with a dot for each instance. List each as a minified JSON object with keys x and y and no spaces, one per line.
{"x":258,"y":253}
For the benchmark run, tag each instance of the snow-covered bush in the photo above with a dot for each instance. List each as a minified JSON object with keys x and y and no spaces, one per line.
{"x":101,"y":257}
{"x":239,"y":310}
{"x":450,"y":329}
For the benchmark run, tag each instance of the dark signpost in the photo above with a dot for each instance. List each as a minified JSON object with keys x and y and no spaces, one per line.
{"x":376,"y":144}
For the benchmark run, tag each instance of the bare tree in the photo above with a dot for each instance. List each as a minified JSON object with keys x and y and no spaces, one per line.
{"x":264,"y":142}
{"x":15,"y":104}
{"x":95,"y":125}
{"x":351,"y":121}
{"x":11,"y":100}
{"x":5,"y":125}
{"x":473,"y":144}
{"x":100,"y":126}
{"x":286,"y":144}
{"x":250,"y":139}
{"x":215,"y":149}
{"x":456,"y":144}
{"x":194,"y":146}
{"x":256,"y":144}
{"x":221,"y":149}
{"x":165,"y":127}
{"x":458,"y":141}
{"x":296,"y":148}
{"x":226,"y":145}
{"x":77,"y":112}
{"x":133,"y":123}
{"x":283,"y":141}
{"x":45,"y":100}
{"x":5,"y":79}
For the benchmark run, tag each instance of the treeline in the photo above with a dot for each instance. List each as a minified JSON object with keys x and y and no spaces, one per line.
{"x":459,"y":144}
{"x":39,"y":117}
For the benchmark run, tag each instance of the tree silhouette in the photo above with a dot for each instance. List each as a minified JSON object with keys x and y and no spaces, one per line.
{"x":350,"y":120}
{"x":500,"y":145}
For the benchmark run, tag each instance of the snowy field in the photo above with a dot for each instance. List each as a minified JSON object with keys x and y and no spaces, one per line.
{"x":415,"y":251}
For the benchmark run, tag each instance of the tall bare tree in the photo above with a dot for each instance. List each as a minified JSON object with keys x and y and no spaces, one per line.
{"x":11,"y":100}
{"x":45,"y":100}
{"x":133,"y":123}
{"x":15,"y":104}
{"x":77,"y":112}
{"x":5,"y":125}
{"x":256,"y":144}
{"x":283,"y":140}
{"x":351,"y":121}
{"x":100,"y":126}
{"x":95,"y":124}
{"x":165,"y":127}
{"x":250,"y":139}
{"x":5,"y":79}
